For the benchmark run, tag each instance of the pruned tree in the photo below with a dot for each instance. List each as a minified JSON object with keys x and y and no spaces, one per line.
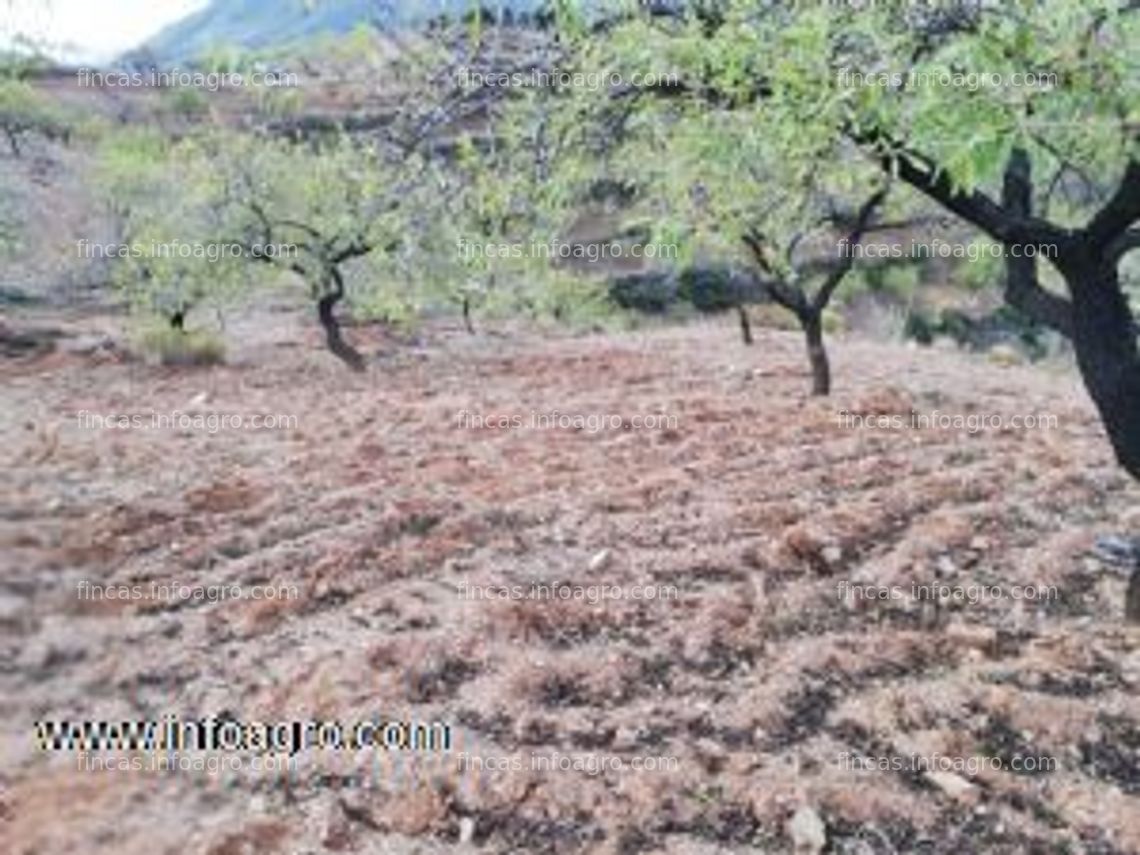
{"x":786,"y":283}
{"x":712,"y":176}
{"x":311,"y":210}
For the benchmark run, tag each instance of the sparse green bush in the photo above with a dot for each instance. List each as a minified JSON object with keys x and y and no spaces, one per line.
{"x":168,"y":346}
{"x":772,"y":317}
{"x":986,"y":270}
{"x":833,"y":322}
{"x":185,"y":102}
{"x":898,"y":281}
{"x":273,"y":103}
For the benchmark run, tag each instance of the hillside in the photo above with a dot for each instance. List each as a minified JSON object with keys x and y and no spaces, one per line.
{"x":254,"y":25}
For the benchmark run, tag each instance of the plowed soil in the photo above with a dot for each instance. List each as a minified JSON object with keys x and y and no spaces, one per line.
{"x":752,"y":504}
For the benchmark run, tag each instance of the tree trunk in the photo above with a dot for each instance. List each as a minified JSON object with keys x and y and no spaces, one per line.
{"x":745,"y":324}
{"x":1023,"y":290}
{"x":470,"y":327}
{"x":1104,"y":338}
{"x":340,"y":348}
{"x":812,"y":323}
{"x":1132,"y":598}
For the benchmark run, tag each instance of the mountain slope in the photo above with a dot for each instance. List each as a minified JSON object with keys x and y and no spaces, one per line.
{"x":258,"y":24}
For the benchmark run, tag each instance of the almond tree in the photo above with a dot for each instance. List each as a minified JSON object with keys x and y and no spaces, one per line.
{"x":892,"y":81}
{"x":787,"y":288}
{"x":507,"y":190}
{"x":320,"y":207}
{"x":814,"y":77}
{"x":705,"y":172}
{"x":165,"y":208}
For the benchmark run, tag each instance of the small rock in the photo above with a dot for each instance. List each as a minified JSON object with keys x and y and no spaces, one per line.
{"x":953,"y":785}
{"x":1005,"y":355}
{"x":466,"y":829}
{"x":710,"y":752}
{"x":807,"y":831}
{"x":625,"y":739}
{"x":85,"y":345}
{"x":600,"y":560}
{"x":832,"y":554}
{"x":12,"y":608}
{"x":973,"y":636}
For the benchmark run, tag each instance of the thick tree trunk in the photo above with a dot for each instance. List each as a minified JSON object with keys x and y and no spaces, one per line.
{"x":1023,"y":291}
{"x":1104,"y":338}
{"x":326,"y":313}
{"x":745,"y":325}
{"x":812,"y":323}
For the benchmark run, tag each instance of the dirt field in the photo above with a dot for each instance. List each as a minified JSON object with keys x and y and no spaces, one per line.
{"x":752,"y":680}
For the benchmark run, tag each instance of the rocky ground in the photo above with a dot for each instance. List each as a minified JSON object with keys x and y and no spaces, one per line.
{"x":752,"y":687}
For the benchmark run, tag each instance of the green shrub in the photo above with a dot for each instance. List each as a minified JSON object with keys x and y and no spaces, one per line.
{"x":168,"y":346}
{"x":185,"y":102}
{"x":773,"y":317}
{"x":833,"y":322}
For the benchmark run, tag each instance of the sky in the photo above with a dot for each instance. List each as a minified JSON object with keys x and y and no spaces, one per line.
{"x":89,"y":31}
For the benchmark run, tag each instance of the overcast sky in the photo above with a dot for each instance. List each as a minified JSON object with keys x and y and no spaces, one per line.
{"x":90,"y":30}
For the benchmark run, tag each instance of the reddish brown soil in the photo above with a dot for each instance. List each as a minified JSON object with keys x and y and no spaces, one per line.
{"x":757,"y":678}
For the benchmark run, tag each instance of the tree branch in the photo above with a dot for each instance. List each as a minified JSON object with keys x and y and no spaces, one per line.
{"x":854,"y":237}
{"x":974,"y":207}
{"x":1119,"y":213}
{"x":1124,"y":244}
